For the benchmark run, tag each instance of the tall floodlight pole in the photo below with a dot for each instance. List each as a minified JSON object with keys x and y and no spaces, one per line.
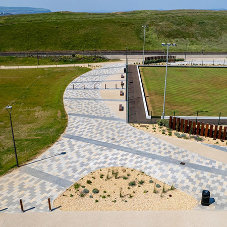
{"x":144,"y":28}
{"x":168,"y":45}
{"x":9,"y":109}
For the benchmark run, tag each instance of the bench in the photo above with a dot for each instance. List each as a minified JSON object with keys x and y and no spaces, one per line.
{"x":120,"y":107}
{"x":121,"y":93}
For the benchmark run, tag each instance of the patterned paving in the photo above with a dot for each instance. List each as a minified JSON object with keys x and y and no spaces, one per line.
{"x":97,"y":138}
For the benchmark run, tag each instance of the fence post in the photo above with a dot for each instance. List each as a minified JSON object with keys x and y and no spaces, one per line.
{"x":219,"y":132}
{"x":190,"y":127}
{"x":170,"y":122}
{"x":105,"y":86}
{"x":49,"y":204}
{"x":178,"y":124}
{"x":211,"y":131}
{"x":186,"y":126}
{"x":181,"y":125}
{"x":206,"y":131}
{"x":73,"y":86}
{"x":224,"y":133}
{"x":193,"y":127}
{"x":215,"y":132}
{"x":174,"y":123}
{"x":21,"y":205}
{"x":198,"y":128}
{"x":202,"y":130}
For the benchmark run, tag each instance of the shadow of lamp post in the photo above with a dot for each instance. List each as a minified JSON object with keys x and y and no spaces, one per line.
{"x":9,"y":109}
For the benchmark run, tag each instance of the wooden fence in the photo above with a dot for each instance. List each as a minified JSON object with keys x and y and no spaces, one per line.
{"x":199,"y":128}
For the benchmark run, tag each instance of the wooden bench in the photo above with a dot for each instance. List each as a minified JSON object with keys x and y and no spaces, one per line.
{"x":121,"y":93}
{"x":120,"y":107}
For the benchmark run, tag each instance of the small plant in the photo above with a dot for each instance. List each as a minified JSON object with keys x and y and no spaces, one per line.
{"x":132,"y":183}
{"x":82,"y":194}
{"x":163,"y":122}
{"x":154,"y":190}
{"x":125,"y":178}
{"x":96,"y":200}
{"x":172,"y":187}
{"x":114,"y":201}
{"x":145,"y":191}
{"x":104,"y":191}
{"x":71,"y":195}
{"x":121,"y":193}
{"x":89,"y":182}
{"x":197,"y":138}
{"x":183,"y":135}
{"x":128,"y":187}
{"x":108,"y":195}
{"x":177,"y":134}
{"x":158,"y":185}
{"x":163,"y":189}
{"x":128,"y":174}
{"x":82,"y":186}
{"x":76,"y":186}
{"x":133,"y":192}
{"x":151,"y":181}
{"x":101,"y":175}
{"x":95,"y":191}
{"x":130,"y":196}
{"x":90,"y":196}
{"x":103,"y":196}
{"x":107,"y":176}
{"x":170,"y":133}
{"x":141,"y":182}
{"x":85,"y":191}
{"x":93,"y":177}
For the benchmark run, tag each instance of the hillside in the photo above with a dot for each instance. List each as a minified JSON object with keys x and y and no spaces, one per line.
{"x":195,"y":29}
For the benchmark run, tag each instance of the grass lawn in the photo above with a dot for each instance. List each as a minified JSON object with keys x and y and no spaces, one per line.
{"x":50,"y":60}
{"x":38,"y":113}
{"x":188,"y":90}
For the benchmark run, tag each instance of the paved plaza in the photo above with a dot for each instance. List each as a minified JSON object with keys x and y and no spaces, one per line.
{"x":96,"y":138}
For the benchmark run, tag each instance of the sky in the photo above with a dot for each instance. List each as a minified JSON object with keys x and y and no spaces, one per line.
{"x":115,"y":5}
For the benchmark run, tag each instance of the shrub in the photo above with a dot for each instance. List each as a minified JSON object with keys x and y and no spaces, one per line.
{"x":163,"y":122}
{"x":158,"y":185}
{"x":89,"y":182}
{"x":170,"y":133}
{"x":85,"y":191}
{"x":151,"y":181}
{"x":95,"y":191}
{"x":183,"y":135}
{"x":101,"y":175}
{"x":103,"y":196}
{"x":82,"y":194}
{"x":90,"y":196}
{"x":76,"y":186}
{"x":141,"y":182}
{"x":82,"y":186}
{"x":132,"y":183}
{"x":177,"y":134}
{"x":71,"y":195}
{"x":96,"y":200}
{"x":125,"y":178}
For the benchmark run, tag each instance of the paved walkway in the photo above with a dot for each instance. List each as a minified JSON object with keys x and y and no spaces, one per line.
{"x":97,"y":138}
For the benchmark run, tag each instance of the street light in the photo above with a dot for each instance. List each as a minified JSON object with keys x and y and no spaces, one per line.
{"x":168,"y":45}
{"x":144,"y":27}
{"x":9,"y":109}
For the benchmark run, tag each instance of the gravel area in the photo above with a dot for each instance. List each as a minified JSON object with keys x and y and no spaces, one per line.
{"x":122,"y":189}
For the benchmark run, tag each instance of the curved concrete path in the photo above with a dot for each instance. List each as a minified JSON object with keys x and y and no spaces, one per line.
{"x":95,"y":138}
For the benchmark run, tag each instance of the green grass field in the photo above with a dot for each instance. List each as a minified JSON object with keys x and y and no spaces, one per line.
{"x":188,"y":90}
{"x":198,"y":29}
{"x":53,"y":60}
{"x":38,"y":113}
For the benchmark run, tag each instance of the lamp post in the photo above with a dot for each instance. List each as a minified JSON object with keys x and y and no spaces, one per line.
{"x":144,"y":27}
{"x":9,"y":109}
{"x":168,"y":45}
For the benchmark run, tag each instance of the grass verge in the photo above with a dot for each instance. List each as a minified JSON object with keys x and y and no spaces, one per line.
{"x":38,"y":113}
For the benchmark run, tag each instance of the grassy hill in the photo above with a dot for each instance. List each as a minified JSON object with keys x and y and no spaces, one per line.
{"x":198,"y":29}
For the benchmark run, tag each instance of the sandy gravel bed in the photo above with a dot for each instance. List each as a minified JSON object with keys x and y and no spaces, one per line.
{"x":161,"y":130}
{"x":117,"y":192}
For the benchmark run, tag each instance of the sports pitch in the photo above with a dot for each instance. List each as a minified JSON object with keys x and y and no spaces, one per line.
{"x":188,"y":90}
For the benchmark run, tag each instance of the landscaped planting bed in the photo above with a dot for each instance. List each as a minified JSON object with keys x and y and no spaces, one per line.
{"x":120,"y":188}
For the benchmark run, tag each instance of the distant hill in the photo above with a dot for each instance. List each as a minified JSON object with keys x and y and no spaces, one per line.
{"x":21,"y":10}
{"x":191,"y":30}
